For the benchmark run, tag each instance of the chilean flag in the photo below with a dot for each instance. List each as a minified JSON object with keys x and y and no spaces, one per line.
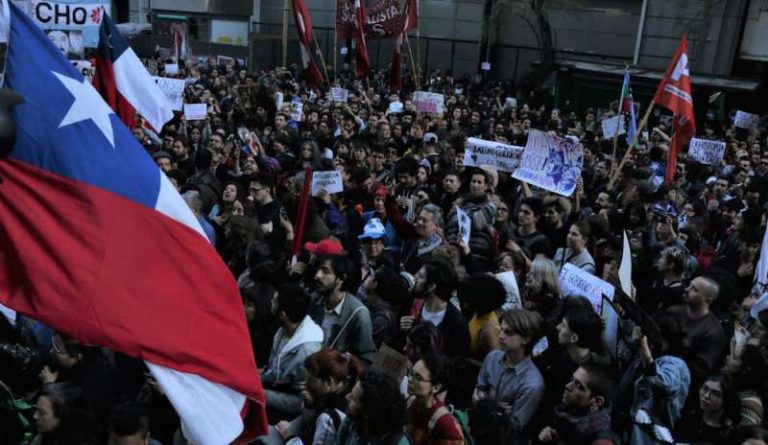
{"x":96,"y":243}
{"x":124,"y":82}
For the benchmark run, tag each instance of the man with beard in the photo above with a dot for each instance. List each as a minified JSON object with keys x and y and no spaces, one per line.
{"x":433,"y":288}
{"x":451,"y":187}
{"x":345,"y":321}
{"x":554,"y":222}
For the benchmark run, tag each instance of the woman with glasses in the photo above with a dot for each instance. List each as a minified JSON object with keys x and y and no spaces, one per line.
{"x":430,"y":422}
{"x":716,"y":417}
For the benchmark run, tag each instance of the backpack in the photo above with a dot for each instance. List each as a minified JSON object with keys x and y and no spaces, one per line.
{"x":459,"y":416}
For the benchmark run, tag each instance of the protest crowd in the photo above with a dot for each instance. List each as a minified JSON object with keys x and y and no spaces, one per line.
{"x":399,"y":289}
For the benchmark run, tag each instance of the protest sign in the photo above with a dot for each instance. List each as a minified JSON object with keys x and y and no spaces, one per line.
{"x":173,"y":90}
{"x":279,"y":100}
{"x":339,"y":95}
{"x":706,"y":152}
{"x":465,"y":224}
{"x":485,"y":66}
{"x":625,"y":268}
{"x":344,"y":51}
{"x":395,"y":107}
{"x":171,"y":68}
{"x":630,"y":310}
{"x":503,"y":157}
{"x":195,"y":112}
{"x":330,"y":181}
{"x":575,"y":282}
{"x":550,"y":162}
{"x":610,"y":126}
{"x":426,"y":102}
{"x":746,"y":120}
{"x":510,"y":102}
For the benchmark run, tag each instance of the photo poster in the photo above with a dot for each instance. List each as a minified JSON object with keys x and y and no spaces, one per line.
{"x":297,"y":110}
{"x":551,"y":162}
{"x":426,"y":102}
{"x":465,"y":224}
{"x":503,"y":157}
{"x":706,"y":152}
{"x":330,"y":181}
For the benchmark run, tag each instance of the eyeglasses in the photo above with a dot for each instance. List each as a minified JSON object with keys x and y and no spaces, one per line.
{"x":418,"y":377}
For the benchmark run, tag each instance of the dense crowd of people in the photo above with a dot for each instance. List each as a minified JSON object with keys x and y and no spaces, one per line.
{"x":388,"y":327}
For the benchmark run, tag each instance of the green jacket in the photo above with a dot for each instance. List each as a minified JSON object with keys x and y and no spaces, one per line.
{"x":354,"y":331}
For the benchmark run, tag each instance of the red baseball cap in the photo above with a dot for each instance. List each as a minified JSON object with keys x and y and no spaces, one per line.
{"x":324,"y":247}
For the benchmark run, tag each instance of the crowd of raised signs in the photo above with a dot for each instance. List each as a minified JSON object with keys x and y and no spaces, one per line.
{"x":433,"y":296}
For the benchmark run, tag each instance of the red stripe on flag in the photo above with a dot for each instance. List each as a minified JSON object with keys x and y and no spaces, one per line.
{"x":111,"y":272}
{"x":104,"y":82}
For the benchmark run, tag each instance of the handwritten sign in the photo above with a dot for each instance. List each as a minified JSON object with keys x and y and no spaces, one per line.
{"x":610,"y":126}
{"x":465,"y":224}
{"x":339,"y":95}
{"x":503,"y":157}
{"x":706,"y":152}
{"x":171,"y":68}
{"x":575,"y":282}
{"x":173,"y":90}
{"x":426,"y":102}
{"x":195,"y":112}
{"x":550,"y":162}
{"x":330,"y":181}
{"x":746,"y":120}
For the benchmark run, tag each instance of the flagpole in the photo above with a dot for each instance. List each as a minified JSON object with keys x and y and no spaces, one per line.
{"x":632,"y":143}
{"x":286,"y":11}
{"x":416,"y":78}
{"x":418,"y":52}
{"x":618,"y":125}
{"x":335,"y":40}
{"x":320,"y":53}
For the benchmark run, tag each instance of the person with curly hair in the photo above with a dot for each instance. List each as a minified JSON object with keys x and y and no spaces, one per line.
{"x":430,"y":422}
{"x":377,"y":412}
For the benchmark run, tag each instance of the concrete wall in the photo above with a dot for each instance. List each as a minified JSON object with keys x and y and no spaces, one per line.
{"x":594,"y":30}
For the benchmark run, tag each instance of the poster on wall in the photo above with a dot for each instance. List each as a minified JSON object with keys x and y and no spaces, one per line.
{"x":78,"y":22}
{"x":229,"y":32}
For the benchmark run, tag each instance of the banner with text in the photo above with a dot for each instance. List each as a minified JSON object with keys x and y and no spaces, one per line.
{"x":612,"y":124}
{"x":503,"y":157}
{"x":706,"y":151}
{"x":550,"y":162}
{"x":173,"y":90}
{"x":339,"y":95}
{"x":78,"y":23}
{"x":426,"y":102}
{"x":575,"y":282}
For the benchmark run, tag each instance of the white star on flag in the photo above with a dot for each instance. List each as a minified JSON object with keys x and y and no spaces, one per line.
{"x":87,"y":105}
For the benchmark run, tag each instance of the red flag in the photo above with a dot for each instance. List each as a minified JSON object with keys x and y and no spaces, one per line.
{"x":363,"y":63}
{"x":674,"y":94}
{"x":304,"y":28}
{"x":344,"y":19}
{"x":396,"y":67}
{"x":411,"y":14}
